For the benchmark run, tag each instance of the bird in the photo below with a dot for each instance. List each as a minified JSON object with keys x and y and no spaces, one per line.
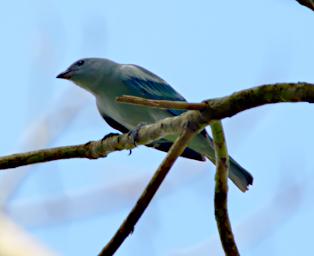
{"x":107,"y":80}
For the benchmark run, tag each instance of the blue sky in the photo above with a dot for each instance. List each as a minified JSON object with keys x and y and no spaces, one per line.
{"x":202,"y":48}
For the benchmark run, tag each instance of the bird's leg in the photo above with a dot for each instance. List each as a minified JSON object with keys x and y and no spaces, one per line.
{"x":134,"y":133}
{"x":109,"y":135}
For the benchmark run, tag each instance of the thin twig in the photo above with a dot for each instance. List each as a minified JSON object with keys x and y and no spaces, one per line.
{"x":221,"y":190}
{"x":161,"y":103}
{"x":128,"y":224}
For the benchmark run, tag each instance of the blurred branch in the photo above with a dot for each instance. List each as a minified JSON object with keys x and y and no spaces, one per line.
{"x":128,"y":224}
{"x":15,"y":242}
{"x":221,"y":190}
{"x":217,"y":109}
{"x":40,"y":133}
{"x":89,"y":202}
{"x":307,"y":3}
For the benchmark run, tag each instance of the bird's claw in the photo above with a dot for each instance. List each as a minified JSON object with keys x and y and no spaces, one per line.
{"x":134,"y":133}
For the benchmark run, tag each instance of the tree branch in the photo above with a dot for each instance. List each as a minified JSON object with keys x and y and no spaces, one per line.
{"x":216,"y":109}
{"x":307,"y":3}
{"x":128,"y":224}
{"x":101,"y":148}
{"x":161,"y":103}
{"x":228,"y":106}
{"x":221,"y":190}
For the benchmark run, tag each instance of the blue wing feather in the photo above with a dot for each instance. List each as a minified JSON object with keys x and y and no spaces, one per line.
{"x":150,"y":86}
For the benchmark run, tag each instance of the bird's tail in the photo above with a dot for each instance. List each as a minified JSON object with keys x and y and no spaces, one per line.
{"x":240,"y":177}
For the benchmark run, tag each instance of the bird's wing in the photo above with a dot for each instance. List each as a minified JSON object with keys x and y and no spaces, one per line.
{"x":150,"y":86}
{"x":114,"y":124}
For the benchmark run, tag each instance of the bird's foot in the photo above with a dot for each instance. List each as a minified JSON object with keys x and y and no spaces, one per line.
{"x":109,"y":135}
{"x":134,"y":133}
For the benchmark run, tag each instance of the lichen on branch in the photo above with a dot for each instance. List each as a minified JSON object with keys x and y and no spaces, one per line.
{"x":216,"y":109}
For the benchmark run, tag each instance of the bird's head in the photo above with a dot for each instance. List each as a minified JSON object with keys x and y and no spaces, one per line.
{"x":88,"y":73}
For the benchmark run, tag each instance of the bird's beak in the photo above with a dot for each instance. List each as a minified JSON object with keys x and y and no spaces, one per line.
{"x":65,"y":75}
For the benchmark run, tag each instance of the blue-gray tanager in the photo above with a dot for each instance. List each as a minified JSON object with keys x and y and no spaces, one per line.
{"x":107,"y":80}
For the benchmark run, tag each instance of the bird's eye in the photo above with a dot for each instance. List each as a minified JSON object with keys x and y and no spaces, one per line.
{"x":80,"y":62}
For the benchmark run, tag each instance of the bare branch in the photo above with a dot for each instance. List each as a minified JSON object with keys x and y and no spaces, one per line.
{"x":161,"y":103}
{"x":217,"y":109}
{"x":221,"y":190}
{"x":307,"y":3}
{"x":237,"y":102}
{"x":128,"y":224}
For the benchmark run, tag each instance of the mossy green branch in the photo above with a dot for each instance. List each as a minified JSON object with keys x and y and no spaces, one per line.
{"x":221,"y":190}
